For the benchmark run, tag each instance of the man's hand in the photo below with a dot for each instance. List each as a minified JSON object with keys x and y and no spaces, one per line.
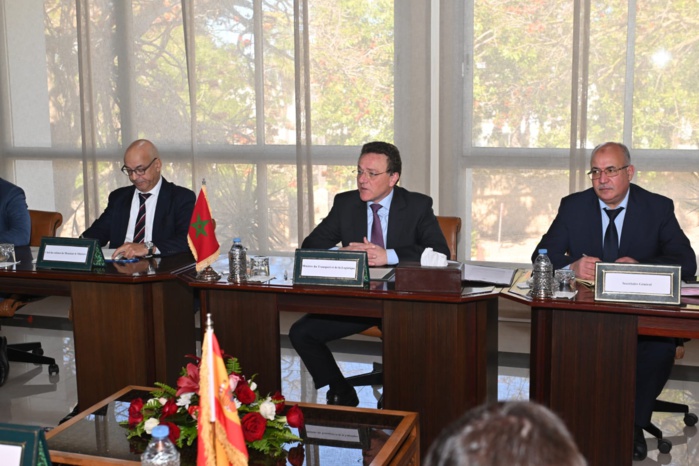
{"x":130,"y":250}
{"x":584,"y":267}
{"x":627,"y":260}
{"x":376,"y":254}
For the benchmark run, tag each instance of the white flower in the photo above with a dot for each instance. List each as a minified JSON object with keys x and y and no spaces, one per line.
{"x":150,"y":424}
{"x":253,"y":386}
{"x":185,"y":400}
{"x":268,"y":409}
{"x":238,"y":404}
{"x":162,"y":401}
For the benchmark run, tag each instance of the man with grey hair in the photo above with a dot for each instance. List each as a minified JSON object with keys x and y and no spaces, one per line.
{"x":616,"y":221}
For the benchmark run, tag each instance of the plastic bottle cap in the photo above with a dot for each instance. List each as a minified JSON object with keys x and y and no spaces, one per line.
{"x":543,"y":251}
{"x":236,"y":240}
{"x":160,"y":431}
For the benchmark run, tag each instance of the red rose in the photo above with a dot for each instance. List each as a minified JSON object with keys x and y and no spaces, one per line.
{"x":193,"y":411}
{"x":296,"y":455}
{"x":135,"y":415}
{"x":243,"y":392}
{"x":295,"y":417}
{"x":174,"y":432}
{"x":254,"y":426}
{"x":278,"y":400}
{"x":169,"y":408}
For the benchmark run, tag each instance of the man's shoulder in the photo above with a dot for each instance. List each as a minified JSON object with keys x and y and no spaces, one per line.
{"x":410,"y":197}
{"x":123,"y":191}
{"x":640,"y":194}
{"x":7,"y":187}
{"x":175,"y":189}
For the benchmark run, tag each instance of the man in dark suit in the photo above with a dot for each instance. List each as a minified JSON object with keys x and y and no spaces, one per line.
{"x":15,"y":224}
{"x":150,"y":217}
{"x":616,"y":221}
{"x":398,"y":227}
{"x":15,"y":228}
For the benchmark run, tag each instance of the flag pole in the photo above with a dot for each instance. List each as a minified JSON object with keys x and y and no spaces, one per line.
{"x":210,"y":362}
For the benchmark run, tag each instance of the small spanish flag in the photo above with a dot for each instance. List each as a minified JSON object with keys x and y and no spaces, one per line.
{"x":220,"y":440}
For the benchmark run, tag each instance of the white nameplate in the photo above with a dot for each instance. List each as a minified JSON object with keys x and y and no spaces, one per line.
{"x":637,"y":283}
{"x":61,"y":253}
{"x":331,"y":267}
{"x":328,"y":268}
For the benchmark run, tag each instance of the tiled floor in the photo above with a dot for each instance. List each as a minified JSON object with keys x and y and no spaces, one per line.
{"x":31,"y":396}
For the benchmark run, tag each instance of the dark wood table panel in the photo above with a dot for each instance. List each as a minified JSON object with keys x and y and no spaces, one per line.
{"x":583,"y":365}
{"x":438,"y":349}
{"x":247,"y":327}
{"x":132,"y":323}
{"x":439,"y":352}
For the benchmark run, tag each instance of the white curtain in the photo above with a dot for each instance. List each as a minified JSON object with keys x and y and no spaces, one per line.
{"x":270,"y":101}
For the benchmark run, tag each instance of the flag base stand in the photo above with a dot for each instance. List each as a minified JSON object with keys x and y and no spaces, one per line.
{"x":208,"y":275}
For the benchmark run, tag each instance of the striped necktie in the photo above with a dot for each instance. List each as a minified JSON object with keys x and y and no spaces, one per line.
{"x":139,"y":232}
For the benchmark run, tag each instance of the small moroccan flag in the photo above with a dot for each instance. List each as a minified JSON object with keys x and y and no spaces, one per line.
{"x":220,"y":440}
{"x":202,"y":237}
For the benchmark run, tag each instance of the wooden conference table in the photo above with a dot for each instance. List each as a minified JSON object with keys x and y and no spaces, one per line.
{"x":132,"y":323}
{"x":439,"y":350}
{"x":583,"y":365}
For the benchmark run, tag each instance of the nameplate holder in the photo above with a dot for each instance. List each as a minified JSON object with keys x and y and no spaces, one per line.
{"x":23,"y":446}
{"x":331,"y":267}
{"x":637,"y":283}
{"x":69,"y":254}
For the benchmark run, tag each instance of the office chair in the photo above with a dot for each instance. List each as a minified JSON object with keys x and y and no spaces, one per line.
{"x":660,"y":406}
{"x":450,"y":226}
{"x":43,"y":224}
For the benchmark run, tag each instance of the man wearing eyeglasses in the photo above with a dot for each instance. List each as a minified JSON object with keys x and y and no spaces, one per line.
{"x":151,"y":216}
{"x":616,"y":221}
{"x":392,"y":225}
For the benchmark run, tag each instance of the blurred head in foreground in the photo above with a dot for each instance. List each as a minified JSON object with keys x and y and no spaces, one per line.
{"x":506,"y":433}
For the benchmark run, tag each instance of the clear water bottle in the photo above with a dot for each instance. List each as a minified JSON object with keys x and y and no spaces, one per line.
{"x":160,"y":450}
{"x":542,"y":276}
{"x":237,"y":262}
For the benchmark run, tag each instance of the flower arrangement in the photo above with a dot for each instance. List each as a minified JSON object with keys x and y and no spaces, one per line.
{"x":264,"y":427}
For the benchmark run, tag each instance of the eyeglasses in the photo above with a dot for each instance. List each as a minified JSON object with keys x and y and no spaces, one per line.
{"x":371,"y":175}
{"x":139,"y":171}
{"x":611,"y":172}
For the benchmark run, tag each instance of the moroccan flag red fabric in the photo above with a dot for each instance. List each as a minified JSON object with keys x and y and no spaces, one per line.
{"x":220,"y":440}
{"x":202,"y":237}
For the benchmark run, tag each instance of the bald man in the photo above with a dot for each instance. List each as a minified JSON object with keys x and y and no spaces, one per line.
{"x":151,"y":216}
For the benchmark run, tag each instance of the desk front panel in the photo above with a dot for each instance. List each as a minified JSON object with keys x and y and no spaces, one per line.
{"x":434,"y":352}
{"x":131,"y":325}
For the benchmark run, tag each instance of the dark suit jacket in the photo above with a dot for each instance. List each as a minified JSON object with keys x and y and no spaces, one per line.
{"x":170,"y":224}
{"x":651,"y":233}
{"x":412,"y":226}
{"x":15,"y":224}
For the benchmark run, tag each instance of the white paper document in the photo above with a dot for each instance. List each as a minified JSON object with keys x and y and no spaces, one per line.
{"x":486,"y":274}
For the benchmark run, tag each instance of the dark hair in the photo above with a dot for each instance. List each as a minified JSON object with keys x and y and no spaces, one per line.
{"x":516,"y":433}
{"x":387,"y":149}
{"x":604,"y":145}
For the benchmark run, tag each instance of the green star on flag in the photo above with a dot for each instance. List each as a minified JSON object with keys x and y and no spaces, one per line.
{"x":200,"y":226}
